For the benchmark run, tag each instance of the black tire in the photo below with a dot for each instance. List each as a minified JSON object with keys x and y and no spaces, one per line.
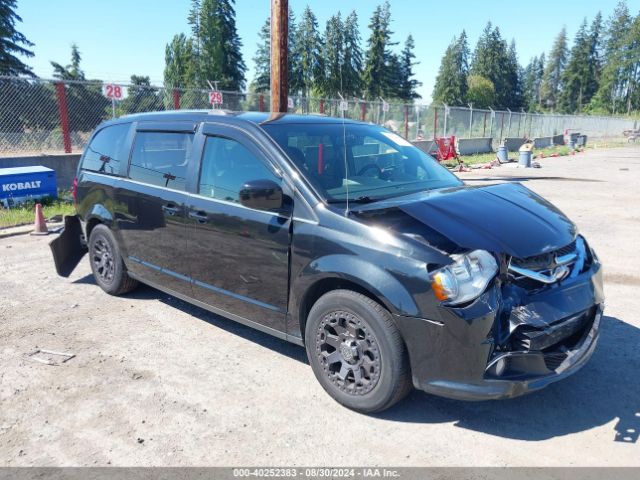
{"x":356,"y":351}
{"x":106,"y":262}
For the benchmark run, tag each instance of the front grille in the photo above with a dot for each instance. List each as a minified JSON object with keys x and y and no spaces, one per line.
{"x":567,"y":249}
{"x":545,"y":260}
{"x":544,"y":263}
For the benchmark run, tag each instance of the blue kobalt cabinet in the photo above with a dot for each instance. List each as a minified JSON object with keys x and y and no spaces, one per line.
{"x":19,"y":184}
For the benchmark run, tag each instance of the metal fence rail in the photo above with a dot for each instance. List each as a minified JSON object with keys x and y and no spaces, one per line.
{"x":50,"y":116}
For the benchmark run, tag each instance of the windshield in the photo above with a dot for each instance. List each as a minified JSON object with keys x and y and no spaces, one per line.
{"x":379,"y":164}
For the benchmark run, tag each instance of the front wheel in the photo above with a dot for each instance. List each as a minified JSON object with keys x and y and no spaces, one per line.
{"x":106,"y":262}
{"x":356,"y":351}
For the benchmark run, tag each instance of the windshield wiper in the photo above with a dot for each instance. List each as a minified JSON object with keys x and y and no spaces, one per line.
{"x":363,"y":199}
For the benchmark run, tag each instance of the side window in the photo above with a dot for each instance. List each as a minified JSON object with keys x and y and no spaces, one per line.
{"x":107,"y":150}
{"x":161,"y":158}
{"x":226,"y":166}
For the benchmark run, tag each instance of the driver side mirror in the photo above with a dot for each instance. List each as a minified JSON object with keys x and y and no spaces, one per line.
{"x":261,"y":195}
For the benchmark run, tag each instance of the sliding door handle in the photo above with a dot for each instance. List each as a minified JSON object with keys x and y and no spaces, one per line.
{"x":200,"y":216}
{"x":171,"y":209}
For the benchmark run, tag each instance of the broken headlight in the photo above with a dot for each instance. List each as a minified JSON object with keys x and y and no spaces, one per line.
{"x":464,"y":279}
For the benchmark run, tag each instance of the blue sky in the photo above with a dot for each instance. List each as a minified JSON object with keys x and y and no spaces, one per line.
{"x":118,"y":38}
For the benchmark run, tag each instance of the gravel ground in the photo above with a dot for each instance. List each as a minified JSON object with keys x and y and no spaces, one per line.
{"x":155,"y":381}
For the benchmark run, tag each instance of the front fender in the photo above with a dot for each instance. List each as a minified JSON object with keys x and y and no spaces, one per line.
{"x":371,"y":277}
{"x":379,"y":282}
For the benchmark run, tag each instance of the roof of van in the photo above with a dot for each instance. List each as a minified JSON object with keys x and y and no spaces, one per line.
{"x":254,"y":117}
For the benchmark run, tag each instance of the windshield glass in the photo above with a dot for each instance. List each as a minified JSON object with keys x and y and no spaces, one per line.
{"x":365,"y":162}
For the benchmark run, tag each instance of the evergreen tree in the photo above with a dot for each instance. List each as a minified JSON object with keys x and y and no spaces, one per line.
{"x":408,"y":84}
{"x":180,"y":63}
{"x":393,"y":77}
{"x":493,"y":61}
{"x":595,"y":53}
{"x":574,"y":79}
{"x":451,"y":83}
{"x":262,"y":80}
{"x":352,"y":65}
{"x":262,"y":59}
{"x":528,"y":83}
{"x":513,"y":74}
{"x":539,"y":75}
{"x":86,"y":104}
{"x":193,"y":19}
{"x":306,"y":51}
{"x":333,"y":54}
{"x":554,"y":69}
{"x":580,"y":77}
{"x":611,"y":91}
{"x":632,"y":65}
{"x":532,"y":83}
{"x":376,"y":76}
{"x":12,"y":42}
{"x":141,"y":97}
{"x":72,"y":71}
{"x":295,"y":81}
{"x":216,"y":45}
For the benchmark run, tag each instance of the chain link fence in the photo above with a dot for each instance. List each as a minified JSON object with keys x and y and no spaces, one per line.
{"x":54,"y":116}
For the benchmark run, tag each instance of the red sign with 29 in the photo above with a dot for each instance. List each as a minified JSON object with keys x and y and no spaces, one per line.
{"x":215,"y":97}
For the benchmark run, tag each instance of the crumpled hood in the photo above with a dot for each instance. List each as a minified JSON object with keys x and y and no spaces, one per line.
{"x":503,"y":218}
{"x":507,"y":218}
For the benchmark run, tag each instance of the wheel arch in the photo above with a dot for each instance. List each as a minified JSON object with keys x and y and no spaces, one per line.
{"x":380,"y":286}
{"x":98,"y":214}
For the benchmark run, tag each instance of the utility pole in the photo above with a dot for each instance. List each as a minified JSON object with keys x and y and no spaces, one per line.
{"x":279,"y":52}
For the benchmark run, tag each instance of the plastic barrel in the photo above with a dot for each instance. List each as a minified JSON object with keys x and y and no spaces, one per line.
{"x":525,"y":159}
{"x":503,"y":155}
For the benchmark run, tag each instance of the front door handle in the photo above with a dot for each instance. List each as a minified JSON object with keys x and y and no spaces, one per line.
{"x":200,"y":216}
{"x":171,"y":209}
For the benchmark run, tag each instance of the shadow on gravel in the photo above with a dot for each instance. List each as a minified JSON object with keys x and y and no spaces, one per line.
{"x":605,"y":390}
{"x":86,"y":280}
{"x":295,"y":352}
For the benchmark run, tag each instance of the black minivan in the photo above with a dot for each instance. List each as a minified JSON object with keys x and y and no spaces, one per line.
{"x":342,"y":237}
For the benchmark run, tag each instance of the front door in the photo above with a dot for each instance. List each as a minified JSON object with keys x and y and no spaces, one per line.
{"x":239,"y":257}
{"x":151,"y":212}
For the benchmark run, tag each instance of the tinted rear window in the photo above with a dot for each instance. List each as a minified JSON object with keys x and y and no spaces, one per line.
{"x":161,"y":158}
{"x":107,"y":150}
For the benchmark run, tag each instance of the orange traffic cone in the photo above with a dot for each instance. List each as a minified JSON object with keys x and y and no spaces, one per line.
{"x":40,"y":226}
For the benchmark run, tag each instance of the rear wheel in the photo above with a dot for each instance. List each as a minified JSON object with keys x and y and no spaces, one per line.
{"x":107,"y":264}
{"x":356,"y":351}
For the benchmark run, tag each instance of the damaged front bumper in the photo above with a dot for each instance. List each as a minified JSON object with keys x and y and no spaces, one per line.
{"x":509,"y":341}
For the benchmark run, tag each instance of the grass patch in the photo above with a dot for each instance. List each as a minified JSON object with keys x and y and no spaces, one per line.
{"x":559,"y":150}
{"x":24,"y":214}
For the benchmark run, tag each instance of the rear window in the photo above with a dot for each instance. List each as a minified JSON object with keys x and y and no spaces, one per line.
{"x":161,"y":158}
{"x":107,"y":150}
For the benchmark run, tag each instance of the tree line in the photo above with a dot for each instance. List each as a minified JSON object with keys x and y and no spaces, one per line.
{"x":327,"y":63}
{"x":600,"y":73}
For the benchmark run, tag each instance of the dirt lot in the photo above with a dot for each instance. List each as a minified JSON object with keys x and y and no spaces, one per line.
{"x":158,"y":382}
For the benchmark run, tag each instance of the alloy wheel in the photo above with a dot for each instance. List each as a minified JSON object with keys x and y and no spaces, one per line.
{"x":348,"y":352}
{"x":102,"y":258}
